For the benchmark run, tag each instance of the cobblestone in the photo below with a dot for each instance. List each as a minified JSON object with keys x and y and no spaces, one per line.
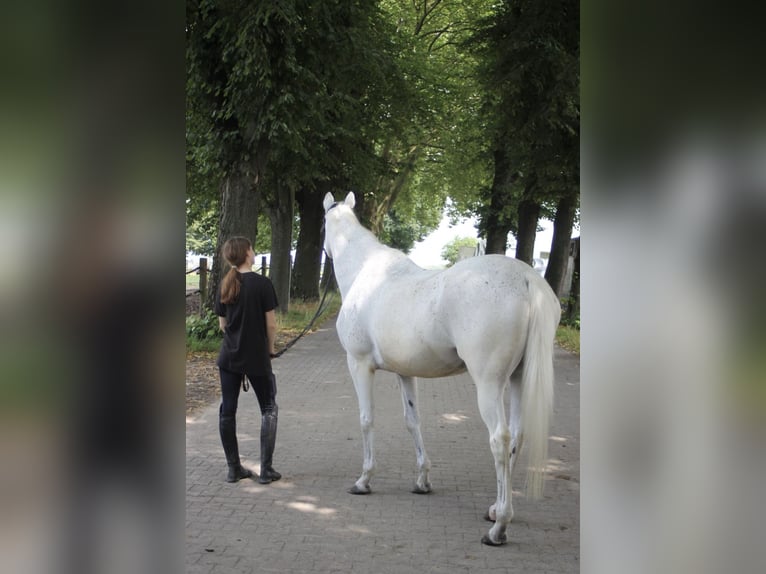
{"x":306,"y":522}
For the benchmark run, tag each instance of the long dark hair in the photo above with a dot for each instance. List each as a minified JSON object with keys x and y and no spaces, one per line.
{"x":234,"y":252}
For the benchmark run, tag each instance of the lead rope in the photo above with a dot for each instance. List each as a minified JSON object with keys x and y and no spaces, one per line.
{"x":320,"y":309}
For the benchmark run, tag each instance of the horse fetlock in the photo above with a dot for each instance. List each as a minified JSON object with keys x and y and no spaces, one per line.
{"x":504,"y":516}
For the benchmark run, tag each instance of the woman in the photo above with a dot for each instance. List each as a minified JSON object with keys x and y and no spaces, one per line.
{"x":245,"y":307}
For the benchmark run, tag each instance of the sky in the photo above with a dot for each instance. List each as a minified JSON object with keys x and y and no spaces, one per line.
{"x":427,"y":253}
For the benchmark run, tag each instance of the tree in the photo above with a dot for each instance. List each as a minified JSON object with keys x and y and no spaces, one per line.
{"x":273,"y":89}
{"x":308,"y":253}
{"x":289,"y":100}
{"x":429,"y":133}
{"x":222,"y":134}
{"x":451,"y":251}
{"x":555,"y":272}
{"x":201,"y":221}
{"x":530,"y":55}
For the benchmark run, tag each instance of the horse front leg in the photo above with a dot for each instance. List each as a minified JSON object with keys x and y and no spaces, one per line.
{"x":492,"y":411}
{"x":412,"y":420}
{"x":363,"y":374}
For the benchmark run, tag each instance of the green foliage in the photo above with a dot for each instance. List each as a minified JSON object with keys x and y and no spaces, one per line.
{"x":414,"y":216}
{"x":401,"y":235}
{"x":401,"y":101}
{"x":292,"y":94}
{"x":292,"y":323}
{"x":435,"y":152}
{"x":451,"y":251}
{"x":568,"y":338}
{"x":263,"y":241}
{"x":201,"y":224}
{"x":202,"y":205}
{"x":571,"y":313}
{"x":203,"y":328}
{"x":529,"y":54}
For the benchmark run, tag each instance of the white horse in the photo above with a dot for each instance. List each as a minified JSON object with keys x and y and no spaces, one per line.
{"x":491,"y":315}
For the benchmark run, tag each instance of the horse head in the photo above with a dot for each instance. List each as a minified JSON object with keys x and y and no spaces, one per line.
{"x":330,"y":203}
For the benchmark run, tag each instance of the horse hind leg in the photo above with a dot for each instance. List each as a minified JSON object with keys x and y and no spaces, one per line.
{"x":363,"y":375}
{"x":515,"y":428}
{"x":492,"y":409}
{"x":412,"y":420}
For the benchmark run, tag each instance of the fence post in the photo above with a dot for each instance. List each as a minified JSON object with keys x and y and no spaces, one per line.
{"x":202,"y":284}
{"x":263,"y":265}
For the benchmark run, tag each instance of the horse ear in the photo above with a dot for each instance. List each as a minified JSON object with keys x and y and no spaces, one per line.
{"x":328,"y":201}
{"x":350,"y":200}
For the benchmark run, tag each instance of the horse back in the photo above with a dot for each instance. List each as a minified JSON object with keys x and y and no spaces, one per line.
{"x":425,"y":322}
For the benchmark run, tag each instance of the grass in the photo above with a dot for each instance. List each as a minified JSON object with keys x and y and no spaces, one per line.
{"x":291,"y":324}
{"x":568,"y":338}
{"x":192,"y":281}
{"x":202,"y":346}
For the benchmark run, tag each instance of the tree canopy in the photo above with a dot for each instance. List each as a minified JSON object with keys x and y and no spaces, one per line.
{"x":451,"y":251}
{"x":530,"y":71}
{"x":405,"y":102}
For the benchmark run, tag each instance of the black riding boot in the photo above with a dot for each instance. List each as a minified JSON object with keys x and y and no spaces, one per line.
{"x":227,"y":425}
{"x":268,"y":439}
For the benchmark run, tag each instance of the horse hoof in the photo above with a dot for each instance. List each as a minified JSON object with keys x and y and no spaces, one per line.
{"x":422,"y":490}
{"x":356,"y":490}
{"x":489,"y":542}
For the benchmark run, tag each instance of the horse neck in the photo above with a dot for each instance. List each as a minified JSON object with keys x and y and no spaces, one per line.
{"x":358,"y":247}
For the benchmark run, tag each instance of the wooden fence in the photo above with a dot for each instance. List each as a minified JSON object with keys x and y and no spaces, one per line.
{"x":202,"y":270}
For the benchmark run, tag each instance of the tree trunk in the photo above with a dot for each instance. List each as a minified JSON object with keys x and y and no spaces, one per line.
{"x":529,"y":213}
{"x":572,"y":315}
{"x":240,"y":203}
{"x":281,"y":217}
{"x":308,"y":253}
{"x":497,"y":235}
{"x":555,"y":274}
{"x":497,"y":225}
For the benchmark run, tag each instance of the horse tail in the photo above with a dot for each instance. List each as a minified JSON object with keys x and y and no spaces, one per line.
{"x":537,"y":381}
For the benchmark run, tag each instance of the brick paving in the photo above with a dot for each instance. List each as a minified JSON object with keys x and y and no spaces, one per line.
{"x":307,"y":522}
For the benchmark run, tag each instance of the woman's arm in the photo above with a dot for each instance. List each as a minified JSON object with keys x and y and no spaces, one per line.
{"x":271,"y":330}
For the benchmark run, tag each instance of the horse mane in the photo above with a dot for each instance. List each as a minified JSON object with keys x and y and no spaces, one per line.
{"x":363,"y":235}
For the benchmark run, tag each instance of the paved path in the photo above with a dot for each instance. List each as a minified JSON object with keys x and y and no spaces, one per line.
{"x":306,"y":522}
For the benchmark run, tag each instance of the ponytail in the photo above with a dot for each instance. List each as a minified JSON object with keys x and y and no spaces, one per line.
{"x":234,"y":252}
{"x":230,"y":286}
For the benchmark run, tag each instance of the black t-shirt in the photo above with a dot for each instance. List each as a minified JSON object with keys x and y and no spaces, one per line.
{"x":245,"y":347}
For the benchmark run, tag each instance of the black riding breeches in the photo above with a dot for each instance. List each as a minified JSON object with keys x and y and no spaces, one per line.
{"x":265,"y":388}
